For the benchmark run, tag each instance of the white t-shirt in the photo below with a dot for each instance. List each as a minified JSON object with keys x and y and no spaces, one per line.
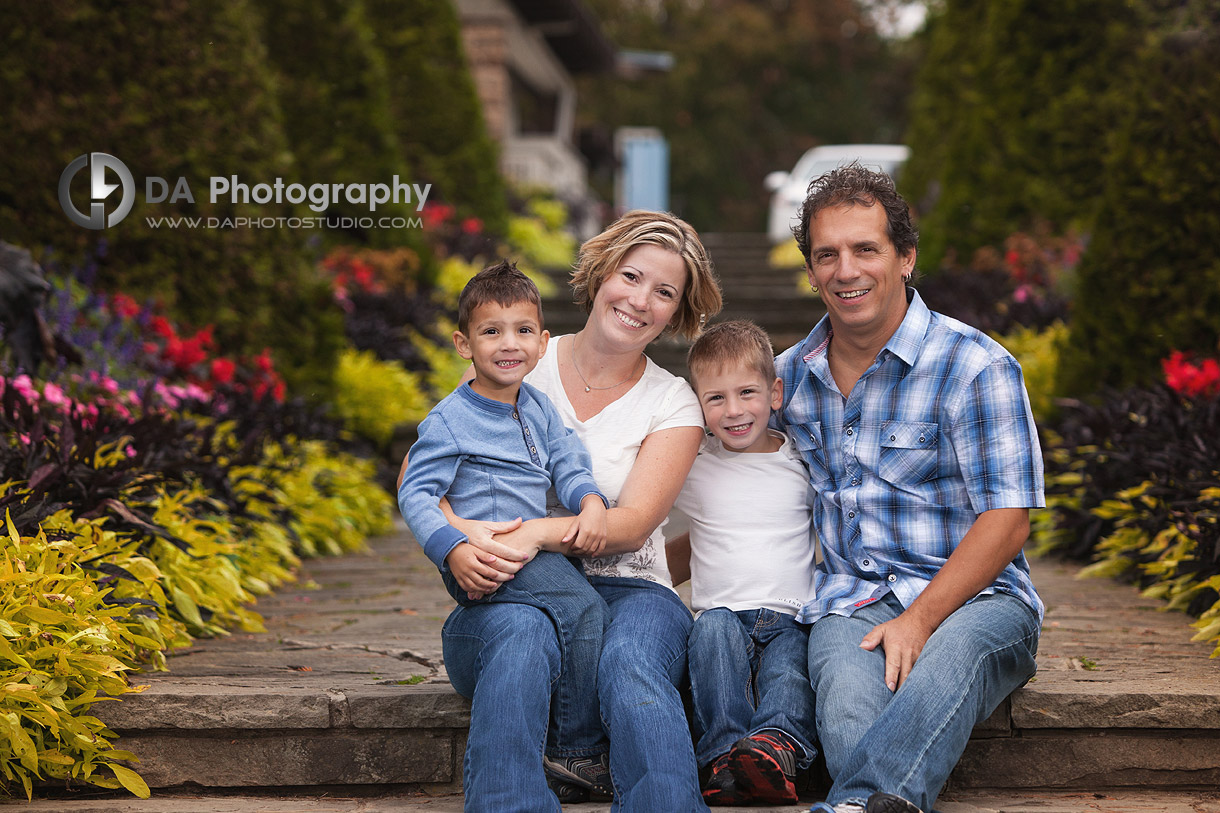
{"x":752,"y":543}
{"x":659,"y":400}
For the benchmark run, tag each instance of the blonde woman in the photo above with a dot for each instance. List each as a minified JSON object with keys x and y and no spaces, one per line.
{"x":645,"y":275}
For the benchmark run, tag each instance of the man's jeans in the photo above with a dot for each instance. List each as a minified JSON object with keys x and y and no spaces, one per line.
{"x":652,"y":760}
{"x":907,"y":742}
{"x":735,"y":656}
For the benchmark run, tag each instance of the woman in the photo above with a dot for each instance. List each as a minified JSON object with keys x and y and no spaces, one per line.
{"x":646,"y":274}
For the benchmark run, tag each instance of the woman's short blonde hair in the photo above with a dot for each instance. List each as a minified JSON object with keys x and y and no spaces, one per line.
{"x":601,"y":255}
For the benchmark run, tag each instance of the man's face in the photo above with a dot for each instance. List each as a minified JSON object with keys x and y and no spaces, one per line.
{"x":860,"y":273}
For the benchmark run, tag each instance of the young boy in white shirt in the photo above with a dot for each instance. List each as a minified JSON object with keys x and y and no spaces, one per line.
{"x":751,"y":566}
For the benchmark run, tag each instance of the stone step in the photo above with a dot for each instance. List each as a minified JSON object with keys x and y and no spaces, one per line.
{"x":347,"y":689}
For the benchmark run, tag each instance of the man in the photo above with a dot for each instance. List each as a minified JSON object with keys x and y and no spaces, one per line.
{"x":924,"y":457}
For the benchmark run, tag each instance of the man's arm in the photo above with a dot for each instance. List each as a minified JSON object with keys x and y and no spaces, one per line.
{"x":993,"y":541}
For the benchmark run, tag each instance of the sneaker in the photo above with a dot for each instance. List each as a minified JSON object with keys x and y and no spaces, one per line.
{"x":882,"y":802}
{"x":764,"y":766}
{"x":566,"y":792}
{"x":586,"y":773}
{"x":721,"y":786}
{"x":841,"y":807}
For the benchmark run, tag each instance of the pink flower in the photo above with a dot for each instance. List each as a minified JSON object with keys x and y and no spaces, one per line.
{"x":54,"y":395}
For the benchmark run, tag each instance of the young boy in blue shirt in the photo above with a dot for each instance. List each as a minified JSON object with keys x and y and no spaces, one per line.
{"x":752,"y":567}
{"x":492,"y":449}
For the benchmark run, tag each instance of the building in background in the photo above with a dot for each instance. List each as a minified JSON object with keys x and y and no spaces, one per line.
{"x":523,"y":55}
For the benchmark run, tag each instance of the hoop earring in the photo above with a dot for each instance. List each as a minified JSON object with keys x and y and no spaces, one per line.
{"x":907,"y":278}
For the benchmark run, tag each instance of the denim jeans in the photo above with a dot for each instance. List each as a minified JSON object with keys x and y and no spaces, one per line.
{"x":643,"y":664}
{"x":748,"y":673}
{"x":555,"y":585}
{"x":506,"y":659}
{"x":907,"y":742}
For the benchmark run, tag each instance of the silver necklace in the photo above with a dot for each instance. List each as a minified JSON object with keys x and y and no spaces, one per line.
{"x":589,"y":386}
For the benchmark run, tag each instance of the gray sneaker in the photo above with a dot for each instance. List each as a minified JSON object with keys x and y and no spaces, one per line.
{"x":591,"y":773}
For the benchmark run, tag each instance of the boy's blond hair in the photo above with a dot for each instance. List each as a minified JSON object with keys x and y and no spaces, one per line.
{"x":737,"y":341}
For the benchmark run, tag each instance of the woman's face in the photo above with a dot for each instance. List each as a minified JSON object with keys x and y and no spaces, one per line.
{"x":636,"y":300}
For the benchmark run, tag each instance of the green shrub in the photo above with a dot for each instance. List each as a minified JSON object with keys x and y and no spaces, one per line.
{"x":437,"y":112}
{"x":1150,"y":281}
{"x":177,"y":90}
{"x":1009,"y":105}
{"x":336,"y":111}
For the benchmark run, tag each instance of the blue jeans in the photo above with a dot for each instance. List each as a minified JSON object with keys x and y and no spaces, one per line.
{"x":907,"y":742}
{"x":747,"y":674}
{"x":643,"y":664}
{"x":506,"y":659}
{"x":556,"y":586}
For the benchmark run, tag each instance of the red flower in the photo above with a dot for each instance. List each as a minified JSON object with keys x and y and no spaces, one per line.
{"x":222,"y":370}
{"x":161,"y":327}
{"x":472,"y":225}
{"x":1190,"y":380}
{"x":263,"y":360}
{"x":435,"y":214}
{"x":124,"y":306}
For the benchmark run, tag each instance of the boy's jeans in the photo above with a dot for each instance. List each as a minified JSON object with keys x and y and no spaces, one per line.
{"x":505,"y":658}
{"x":556,"y":586}
{"x":748,"y":673}
{"x":907,"y":742}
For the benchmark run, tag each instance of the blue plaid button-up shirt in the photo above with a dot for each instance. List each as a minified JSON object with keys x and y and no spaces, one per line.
{"x":937,"y":431}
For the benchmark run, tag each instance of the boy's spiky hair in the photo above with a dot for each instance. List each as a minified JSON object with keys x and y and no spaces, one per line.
{"x":501,"y":283}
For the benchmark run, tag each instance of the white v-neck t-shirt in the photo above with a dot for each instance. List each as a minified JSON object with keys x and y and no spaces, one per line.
{"x":659,"y":400}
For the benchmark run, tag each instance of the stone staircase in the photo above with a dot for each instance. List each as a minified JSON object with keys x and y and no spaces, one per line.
{"x":777,"y":299}
{"x":346,"y":692}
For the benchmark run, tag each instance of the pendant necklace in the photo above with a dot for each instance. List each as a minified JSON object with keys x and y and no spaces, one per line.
{"x":589,"y":386}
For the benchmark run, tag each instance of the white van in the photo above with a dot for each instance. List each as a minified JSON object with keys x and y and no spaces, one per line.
{"x":789,"y":188}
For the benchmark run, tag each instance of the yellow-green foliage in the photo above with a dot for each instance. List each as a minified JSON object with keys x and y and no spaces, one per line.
{"x":374,"y":396}
{"x":336,"y":502}
{"x":538,"y":245}
{"x":1168,"y":556}
{"x":62,"y":648}
{"x":1038,"y":353}
{"x":445,"y":366}
{"x":786,"y":254}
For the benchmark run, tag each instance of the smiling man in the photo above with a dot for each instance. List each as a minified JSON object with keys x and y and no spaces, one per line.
{"x":924,"y":457}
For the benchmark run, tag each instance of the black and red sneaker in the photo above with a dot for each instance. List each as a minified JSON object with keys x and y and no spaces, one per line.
{"x":764,"y":766}
{"x":721,"y":786}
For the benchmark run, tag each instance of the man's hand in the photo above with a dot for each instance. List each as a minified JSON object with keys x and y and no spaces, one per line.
{"x":902,"y":638}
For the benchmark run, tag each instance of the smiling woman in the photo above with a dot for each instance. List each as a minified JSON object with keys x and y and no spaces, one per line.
{"x":646,"y":274}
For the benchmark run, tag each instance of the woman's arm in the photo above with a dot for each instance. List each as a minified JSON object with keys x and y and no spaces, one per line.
{"x":656,"y":477}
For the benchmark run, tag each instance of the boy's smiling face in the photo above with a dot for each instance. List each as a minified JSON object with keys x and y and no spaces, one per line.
{"x":505,"y":343}
{"x":737,"y":403}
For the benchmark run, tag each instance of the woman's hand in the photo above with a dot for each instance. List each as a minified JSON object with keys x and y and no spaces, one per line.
{"x":506,"y":559}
